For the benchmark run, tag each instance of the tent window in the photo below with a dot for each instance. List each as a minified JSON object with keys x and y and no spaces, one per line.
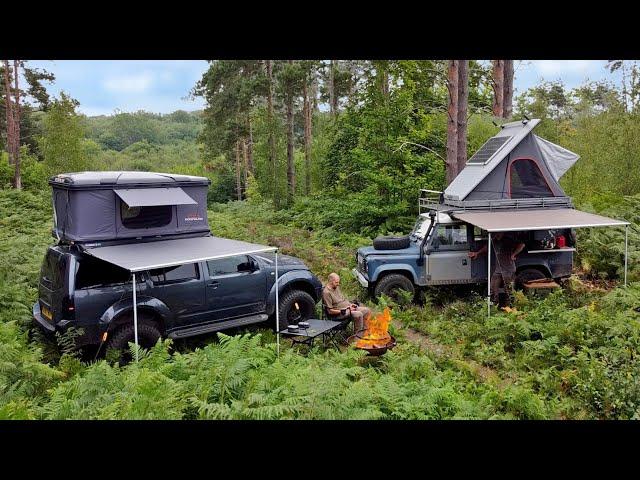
{"x":145,"y":217}
{"x":527,"y":180}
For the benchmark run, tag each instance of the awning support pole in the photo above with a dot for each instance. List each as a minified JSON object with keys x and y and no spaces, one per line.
{"x":489,"y":277}
{"x":277,"y":309}
{"x":135,"y":315}
{"x":626,"y":251}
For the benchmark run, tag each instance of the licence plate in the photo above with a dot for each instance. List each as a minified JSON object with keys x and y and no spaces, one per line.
{"x":46,"y":313}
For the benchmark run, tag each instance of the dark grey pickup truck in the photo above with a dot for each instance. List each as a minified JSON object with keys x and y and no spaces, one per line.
{"x":78,"y":290}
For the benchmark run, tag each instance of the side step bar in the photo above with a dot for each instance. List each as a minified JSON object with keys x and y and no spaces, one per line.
{"x":217,"y":326}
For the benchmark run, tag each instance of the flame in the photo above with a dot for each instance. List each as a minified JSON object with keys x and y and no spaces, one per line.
{"x":376,"y":334}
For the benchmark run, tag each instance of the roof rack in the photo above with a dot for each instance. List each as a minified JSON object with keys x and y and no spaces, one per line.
{"x":511,"y":203}
{"x":433,"y":200}
{"x":429,"y":199}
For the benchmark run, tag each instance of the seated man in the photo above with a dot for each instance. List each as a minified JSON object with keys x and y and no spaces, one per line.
{"x":338,"y":305}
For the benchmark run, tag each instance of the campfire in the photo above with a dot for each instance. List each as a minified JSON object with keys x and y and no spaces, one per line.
{"x":376,"y":338}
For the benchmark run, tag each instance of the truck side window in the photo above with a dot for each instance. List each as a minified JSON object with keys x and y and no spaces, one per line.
{"x":451,"y":237}
{"x":225,"y":266}
{"x":179,"y":273}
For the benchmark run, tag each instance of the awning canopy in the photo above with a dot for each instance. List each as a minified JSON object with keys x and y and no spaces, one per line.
{"x":539,"y":219}
{"x":148,"y":197}
{"x":136,"y":257}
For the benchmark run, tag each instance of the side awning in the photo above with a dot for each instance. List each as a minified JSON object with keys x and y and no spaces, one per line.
{"x":540,"y":219}
{"x":147,"y":197}
{"x":137,"y":257}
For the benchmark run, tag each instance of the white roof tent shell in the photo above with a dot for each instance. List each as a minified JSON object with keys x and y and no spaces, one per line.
{"x":137,"y":257}
{"x":513,"y":164}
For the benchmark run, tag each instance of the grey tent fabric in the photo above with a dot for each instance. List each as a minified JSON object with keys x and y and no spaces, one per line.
{"x":558,"y":159}
{"x":137,"y":257}
{"x":473,"y":174}
{"x":525,"y":166}
{"x":89,"y":206}
{"x":146,"y":197}
{"x":524,"y":220}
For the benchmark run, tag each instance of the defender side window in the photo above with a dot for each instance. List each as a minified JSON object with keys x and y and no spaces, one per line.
{"x":451,"y":237}
{"x":176,"y":274}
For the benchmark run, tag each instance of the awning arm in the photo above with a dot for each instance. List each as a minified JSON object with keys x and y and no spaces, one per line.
{"x":626,"y":252}
{"x":135,"y":316}
{"x":277,"y":308}
{"x":489,"y":277}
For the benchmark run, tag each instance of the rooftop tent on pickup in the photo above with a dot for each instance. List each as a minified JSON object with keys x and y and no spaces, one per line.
{"x":95,"y":206}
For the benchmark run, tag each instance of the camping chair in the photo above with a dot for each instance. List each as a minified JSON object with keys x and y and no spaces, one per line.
{"x":345,"y":320}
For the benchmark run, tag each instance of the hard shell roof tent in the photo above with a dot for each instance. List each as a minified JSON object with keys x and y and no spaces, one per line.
{"x":116,"y":206}
{"x":513,"y":168}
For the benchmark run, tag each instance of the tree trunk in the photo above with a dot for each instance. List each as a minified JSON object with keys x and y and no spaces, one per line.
{"x":245,"y":163}
{"x":238,"y":181}
{"x":498,"y":88}
{"x":250,"y":166}
{"x":17,"y":180}
{"x":507,"y":98}
{"x":291,"y":169}
{"x":333,"y":97}
{"x":384,"y":78}
{"x":452,"y":123}
{"x":314,"y":94}
{"x":9,"y":111}
{"x":463,"y":101}
{"x":306,"y":113}
{"x":272,"y":140}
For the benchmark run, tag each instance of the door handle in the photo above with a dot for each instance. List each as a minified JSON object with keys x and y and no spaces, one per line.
{"x":213,"y":284}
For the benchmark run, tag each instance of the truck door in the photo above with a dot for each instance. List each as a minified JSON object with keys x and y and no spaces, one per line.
{"x":181,"y":288}
{"x":449,"y":260}
{"x":236,"y":287}
{"x":478,"y":238}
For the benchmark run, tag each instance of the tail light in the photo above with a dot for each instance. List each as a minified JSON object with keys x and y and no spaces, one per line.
{"x":561,"y":241}
{"x":68,"y":308}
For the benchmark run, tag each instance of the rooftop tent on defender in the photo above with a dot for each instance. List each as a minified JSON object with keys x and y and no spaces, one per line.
{"x":514,"y":164}
{"x":101,"y":206}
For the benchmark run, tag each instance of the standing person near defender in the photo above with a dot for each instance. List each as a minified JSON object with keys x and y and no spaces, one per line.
{"x":338,"y":305}
{"x":506,"y":247}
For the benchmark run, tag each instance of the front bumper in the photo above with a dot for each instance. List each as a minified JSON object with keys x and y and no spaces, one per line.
{"x":361,"y":278}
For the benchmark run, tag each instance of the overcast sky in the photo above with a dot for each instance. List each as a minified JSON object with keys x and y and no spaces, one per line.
{"x":162,"y":86}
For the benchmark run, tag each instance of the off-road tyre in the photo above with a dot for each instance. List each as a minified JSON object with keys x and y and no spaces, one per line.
{"x":391,"y":243}
{"x":289,"y":313}
{"x":526,"y":275}
{"x":148,"y":335}
{"x":389,"y":284}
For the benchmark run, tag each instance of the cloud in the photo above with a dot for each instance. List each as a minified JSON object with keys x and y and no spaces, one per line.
{"x":129,"y":83}
{"x":563,"y":67}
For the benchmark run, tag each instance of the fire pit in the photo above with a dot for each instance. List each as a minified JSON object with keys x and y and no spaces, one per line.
{"x":375,"y":339}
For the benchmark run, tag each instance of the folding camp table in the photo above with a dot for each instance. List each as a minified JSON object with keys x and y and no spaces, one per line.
{"x":327,"y":329}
